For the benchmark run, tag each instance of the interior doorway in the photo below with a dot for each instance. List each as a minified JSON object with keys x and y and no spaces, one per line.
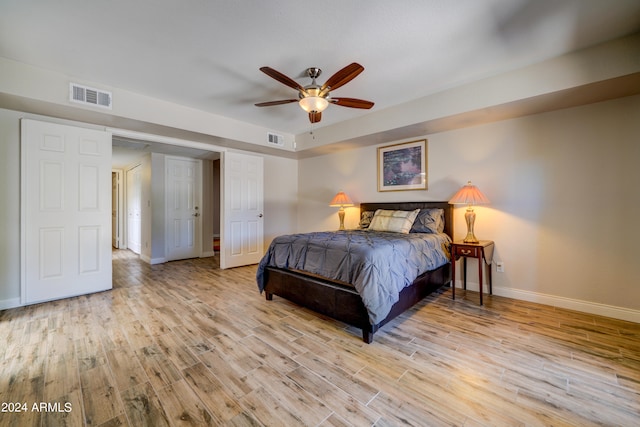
{"x":153,"y":157}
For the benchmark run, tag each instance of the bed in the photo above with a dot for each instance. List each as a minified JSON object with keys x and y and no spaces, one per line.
{"x":341,"y":300}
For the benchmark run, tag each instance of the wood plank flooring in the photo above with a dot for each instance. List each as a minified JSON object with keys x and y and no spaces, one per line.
{"x":185,"y":343}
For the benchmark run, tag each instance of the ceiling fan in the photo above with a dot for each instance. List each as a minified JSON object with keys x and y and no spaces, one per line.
{"x":314,"y":98}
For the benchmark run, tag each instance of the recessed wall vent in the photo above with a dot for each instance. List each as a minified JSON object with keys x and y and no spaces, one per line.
{"x":274,"y":139}
{"x":90,"y":96}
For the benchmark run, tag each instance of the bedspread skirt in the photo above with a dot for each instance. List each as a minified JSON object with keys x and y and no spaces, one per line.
{"x":378,"y":264}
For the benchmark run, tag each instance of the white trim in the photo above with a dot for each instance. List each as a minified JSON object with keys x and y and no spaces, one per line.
{"x":120,"y":211}
{"x":208,"y":254}
{"x":152,"y":261}
{"x":621,"y":313}
{"x":165,"y":140}
{"x":10,"y":303}
{"x":23,"y":207}
{"x":605,"y":310}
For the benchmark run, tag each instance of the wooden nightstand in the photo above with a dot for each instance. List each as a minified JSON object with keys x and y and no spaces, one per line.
{"x":482,"y":251}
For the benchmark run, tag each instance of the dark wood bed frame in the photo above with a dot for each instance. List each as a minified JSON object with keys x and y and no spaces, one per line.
{"x":342,"y":302}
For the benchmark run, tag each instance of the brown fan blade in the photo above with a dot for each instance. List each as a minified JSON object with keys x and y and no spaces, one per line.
{"x":270,"y":103}
{"x":342,"y":77}
{"x":282,"y":78}
{"x":352,"y":102}
{"x":315,"y":116}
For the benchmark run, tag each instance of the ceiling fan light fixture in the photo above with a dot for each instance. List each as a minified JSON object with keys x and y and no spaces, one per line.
{"x":313,"y":98}
{"x":313,"y":103}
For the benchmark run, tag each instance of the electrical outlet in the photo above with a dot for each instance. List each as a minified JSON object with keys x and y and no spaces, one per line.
{"x":500,"y":267}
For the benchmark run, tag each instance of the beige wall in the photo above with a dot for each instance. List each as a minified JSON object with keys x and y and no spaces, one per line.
{"x":563,"y":187}
{"x":280,"y":197}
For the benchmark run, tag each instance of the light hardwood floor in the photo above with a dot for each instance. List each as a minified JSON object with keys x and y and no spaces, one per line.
{"x":188,"y":344}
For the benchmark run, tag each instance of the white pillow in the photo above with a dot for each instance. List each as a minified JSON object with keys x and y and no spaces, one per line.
{"x":395,"y":221}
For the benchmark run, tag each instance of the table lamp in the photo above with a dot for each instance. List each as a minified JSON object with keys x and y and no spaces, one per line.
{"x":342,"y":200}
{"x":469,"y":195}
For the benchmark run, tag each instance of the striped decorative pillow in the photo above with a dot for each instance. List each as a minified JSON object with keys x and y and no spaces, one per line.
{"x":394,"y":221}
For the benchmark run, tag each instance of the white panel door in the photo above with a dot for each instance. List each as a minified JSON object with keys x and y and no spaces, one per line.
{"x":134,"y":209}
{"x":183,"y":184}
{"x":65,"y":211}
{"x":243,"y":200}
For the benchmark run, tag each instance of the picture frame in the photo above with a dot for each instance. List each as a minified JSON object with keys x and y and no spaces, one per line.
{"x":403,"y":166}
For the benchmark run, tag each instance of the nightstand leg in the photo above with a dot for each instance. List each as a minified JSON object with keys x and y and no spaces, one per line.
{"x":480,"y":261}
{"x":464,"y":263}
{"x":453,"y":277}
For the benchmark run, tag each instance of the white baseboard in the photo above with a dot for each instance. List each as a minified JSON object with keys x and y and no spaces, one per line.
{"x":614,"y":312}
{"x":152,"y":261}
{"x":621,"y":313}
{"x":10,"y":303}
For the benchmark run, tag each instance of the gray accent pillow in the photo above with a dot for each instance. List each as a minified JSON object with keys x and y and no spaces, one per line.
{"x":365,"y":219}
{"x":429,"y":221}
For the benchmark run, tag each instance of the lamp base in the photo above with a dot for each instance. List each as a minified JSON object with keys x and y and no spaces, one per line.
{"x":341,"y":216}
{"x":470,"y":218}
{"x":471,"y":239}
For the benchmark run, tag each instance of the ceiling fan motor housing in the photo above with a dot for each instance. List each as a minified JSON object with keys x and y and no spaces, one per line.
{"x":313,"y":90}
{"x":314,"y":72}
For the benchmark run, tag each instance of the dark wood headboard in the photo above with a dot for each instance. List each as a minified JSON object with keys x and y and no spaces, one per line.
{"x":409,"y":206}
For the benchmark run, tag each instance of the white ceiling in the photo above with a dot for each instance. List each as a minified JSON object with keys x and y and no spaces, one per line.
{"x":206,"y":54}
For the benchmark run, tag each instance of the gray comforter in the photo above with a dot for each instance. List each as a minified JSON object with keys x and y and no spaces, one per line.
{"x":378,"y":264}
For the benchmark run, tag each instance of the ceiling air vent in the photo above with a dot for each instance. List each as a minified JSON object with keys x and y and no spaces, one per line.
{"x":274,"y":139}
{"x":89,"y":96}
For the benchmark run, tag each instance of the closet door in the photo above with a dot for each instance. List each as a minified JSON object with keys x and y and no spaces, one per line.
{"x":243,"y":201}
{"x":65,"y":211}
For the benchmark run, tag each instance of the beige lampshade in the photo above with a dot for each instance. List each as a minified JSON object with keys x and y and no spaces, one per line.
{"x":469,"y":195}
{"x":341,"y":199}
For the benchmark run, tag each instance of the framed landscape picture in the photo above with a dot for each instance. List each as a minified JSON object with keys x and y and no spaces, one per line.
{"x":403,"y":166}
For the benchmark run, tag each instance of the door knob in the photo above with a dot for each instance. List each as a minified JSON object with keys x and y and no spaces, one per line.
{"x":260,"y":215}
{"x":196,"y":214}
